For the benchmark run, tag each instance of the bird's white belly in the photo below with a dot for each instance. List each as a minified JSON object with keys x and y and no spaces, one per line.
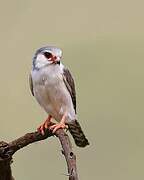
{"x":53,"y":96}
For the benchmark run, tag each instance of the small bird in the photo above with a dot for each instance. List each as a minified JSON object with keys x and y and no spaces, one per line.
{"x":53,"y":87}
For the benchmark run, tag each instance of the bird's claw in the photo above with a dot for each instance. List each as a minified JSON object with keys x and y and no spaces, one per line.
{"x":43,"y":127}
{"x":55,"y":127}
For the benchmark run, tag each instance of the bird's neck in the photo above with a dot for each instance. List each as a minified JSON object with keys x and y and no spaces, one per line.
{"x":50,"y":70}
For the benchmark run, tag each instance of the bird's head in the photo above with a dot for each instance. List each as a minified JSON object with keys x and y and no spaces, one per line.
{"x":46,"y":56}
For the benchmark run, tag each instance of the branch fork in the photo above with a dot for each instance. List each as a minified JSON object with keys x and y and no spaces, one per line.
{"x":8,"y":149}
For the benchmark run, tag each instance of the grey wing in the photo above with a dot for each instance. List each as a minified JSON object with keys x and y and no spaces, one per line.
{"x":31,"y":84}
{"x":69,"y":82}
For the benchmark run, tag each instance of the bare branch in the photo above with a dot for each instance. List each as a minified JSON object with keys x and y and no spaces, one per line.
{"x":8,"y":149}
{"x":69,"y":155}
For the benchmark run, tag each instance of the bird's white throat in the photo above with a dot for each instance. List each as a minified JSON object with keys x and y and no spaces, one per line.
{"x":41,"y":61}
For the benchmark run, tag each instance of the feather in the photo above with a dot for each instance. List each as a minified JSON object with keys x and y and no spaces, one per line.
{"x":69,"y":82}
{"x":31,"y":84}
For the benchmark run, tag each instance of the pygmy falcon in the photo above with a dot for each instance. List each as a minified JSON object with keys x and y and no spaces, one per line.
{"x":53,"y":87}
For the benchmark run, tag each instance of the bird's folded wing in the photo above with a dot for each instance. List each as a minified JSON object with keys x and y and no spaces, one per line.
{"x":31,"y":84}
{"x":69,"y":82}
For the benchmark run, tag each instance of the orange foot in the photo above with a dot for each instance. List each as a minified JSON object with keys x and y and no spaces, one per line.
{"x":55,"y":127}
{"x":61,"y":125}
{"x":45,"y":125}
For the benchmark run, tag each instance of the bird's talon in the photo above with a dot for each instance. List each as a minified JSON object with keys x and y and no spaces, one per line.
{"x":41,"y":129}
{"x":55,"y":127}
{"x":42,"y":132}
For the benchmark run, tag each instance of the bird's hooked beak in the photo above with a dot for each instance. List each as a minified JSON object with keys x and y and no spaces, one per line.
{"x":55,"y":60}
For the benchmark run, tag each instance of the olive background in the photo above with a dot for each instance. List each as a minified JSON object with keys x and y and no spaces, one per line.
{"x":103,"y":46}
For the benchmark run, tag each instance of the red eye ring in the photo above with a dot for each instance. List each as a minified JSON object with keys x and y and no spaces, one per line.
{"x":48,"y":55}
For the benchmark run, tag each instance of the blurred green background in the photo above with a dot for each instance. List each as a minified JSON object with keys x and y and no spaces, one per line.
{"x":103,"y":45}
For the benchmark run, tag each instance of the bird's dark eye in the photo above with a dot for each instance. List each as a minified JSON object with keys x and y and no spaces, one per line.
{"x":48,"y":55}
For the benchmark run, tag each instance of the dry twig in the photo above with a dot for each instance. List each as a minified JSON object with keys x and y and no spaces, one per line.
{"x":8,"y":149}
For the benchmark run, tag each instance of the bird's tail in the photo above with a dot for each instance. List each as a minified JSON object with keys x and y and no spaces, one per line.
{"x":77,"y":134}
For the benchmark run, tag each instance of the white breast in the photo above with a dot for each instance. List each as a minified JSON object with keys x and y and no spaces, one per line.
{"x":51,"y":92}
